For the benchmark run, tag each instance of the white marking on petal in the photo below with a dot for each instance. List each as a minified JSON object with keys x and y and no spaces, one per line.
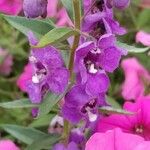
{"x":35,"y":79}
{"x":57,"y":119}
{"x":92,"y":69}
{"x":96,"y":51}
{"x":92,"y":117}
{"x":32,"y":59}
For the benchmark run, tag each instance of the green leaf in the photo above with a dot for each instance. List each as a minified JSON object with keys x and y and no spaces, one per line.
{"x":55,"y":36}
{"x":49,"y":102}
{"x":23,"y":103}
{"x":45,"y":142}
{"x":113,"y":102}
{"x":143,"y":18}
{"x":69,"y":7}
{"x":132,"y":49}
{"x":42,"y":121}
{"x":38,"y":27}
{"x":24,"y":134}
{"x":110,"y":110}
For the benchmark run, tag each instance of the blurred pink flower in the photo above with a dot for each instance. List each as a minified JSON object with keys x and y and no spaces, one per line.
{"x":145,"y":3}
{"x":63,"y":19}
{"x":143,"y":38}
{"x":8,"y":145}
{"x":52,"y":8}
{"x":24,"y":77}
{"x":116,"y":140}
{"x":136,"y":76}
{"x":6,"y":62}
{"x":11,"y":7}
{"x":138,"y":123}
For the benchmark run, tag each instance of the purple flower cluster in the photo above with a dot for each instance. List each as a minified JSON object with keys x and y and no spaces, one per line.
{"x":49,"y":72}
{"x":93,"y":59}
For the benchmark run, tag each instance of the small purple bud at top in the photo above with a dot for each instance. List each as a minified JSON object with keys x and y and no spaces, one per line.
{"x":35,"y":8}
{"x":121,"y":4}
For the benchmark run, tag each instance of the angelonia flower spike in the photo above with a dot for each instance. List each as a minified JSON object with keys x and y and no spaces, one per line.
{"x":75,"y":51}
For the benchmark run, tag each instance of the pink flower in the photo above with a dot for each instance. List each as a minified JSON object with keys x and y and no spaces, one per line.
{"x":143,"y":38}
{"x":7,"y":62}
{"x":11,"y":7}
{"x":139,"y":123}
{"x":136,"y":77}
{"x":63,"y":18}
{"x":24,"y":77}
{"x":8,"y":145}
{"x":116,"y":140}
{"x":52,"y":8}
{"x":145,"y":3}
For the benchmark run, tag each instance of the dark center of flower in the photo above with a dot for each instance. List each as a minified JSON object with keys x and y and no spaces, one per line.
{"x":39,"y":70}
{"x":91,"y":60}
{"x":139,"y":129}
{"x":87,"y":109}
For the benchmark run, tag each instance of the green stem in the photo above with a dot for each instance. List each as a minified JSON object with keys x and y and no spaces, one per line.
{"x":77,"y":23}
{"x":133,"y":18}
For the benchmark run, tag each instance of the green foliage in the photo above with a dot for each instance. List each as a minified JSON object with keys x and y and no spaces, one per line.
{"x":38,"y":27}
{"x":24,"y":134}
{"x":48,"y":103}
{"x":56,"y":35}
{"x":111,"y":110}
{"x":132,"y":49}
{"x":22,"y":103}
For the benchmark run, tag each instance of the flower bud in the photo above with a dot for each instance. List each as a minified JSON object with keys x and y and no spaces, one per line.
{"x":121,"y":4}
{"x":35,"y":8}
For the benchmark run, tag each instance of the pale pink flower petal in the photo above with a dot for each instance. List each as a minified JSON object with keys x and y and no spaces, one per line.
{"x":135,"y":76}
{"x":113,"y":140}
{"x":143,"y":146}
{"x":7,"y":62}
{"x":143,"y":38}
{"x":52,"y":8}
{"x":11,"y":7}
{"x":63,"y":18}
{"x":24,"y":77}
{"x":8,"y":145}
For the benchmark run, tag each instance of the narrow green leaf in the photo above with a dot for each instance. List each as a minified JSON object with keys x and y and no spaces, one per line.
{"x":43,"y":143}
{"x":132,"y":49}
{"x":42,"y":121}
{"x":23,"y":103}
{"x":55,"y":36}
{"x":113,"y":102}
{"x":38,"y":27}
{"x":49,"y":102}
{"x":110,"y":110}
{"x":24,"y":134}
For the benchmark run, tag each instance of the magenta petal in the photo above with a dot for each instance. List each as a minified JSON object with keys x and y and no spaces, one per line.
{"x":143,"y":146}
{"x":113,"y":140}
{"x":143,"y":38}
{"x":8,"y":145}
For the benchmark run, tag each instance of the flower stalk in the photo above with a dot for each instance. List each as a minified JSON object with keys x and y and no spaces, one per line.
{"x":77,"y":24}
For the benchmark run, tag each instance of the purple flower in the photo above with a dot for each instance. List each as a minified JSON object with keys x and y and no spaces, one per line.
{"x":91,"y":58}
{"x":120,"y":4}
{"x":71,"y":146}
{"x":49,"y":73}
{"x":35,"y":8}
{"x":100,"y":21}
{"x":81,"y":106}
